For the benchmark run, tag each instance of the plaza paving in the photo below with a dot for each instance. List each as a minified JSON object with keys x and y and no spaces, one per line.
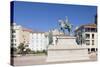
{"x":38,"y":60}
{"x":29,"y":60}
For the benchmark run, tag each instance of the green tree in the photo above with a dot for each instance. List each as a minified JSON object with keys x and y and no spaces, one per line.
{"x":50,"y":37}
{"x":28,"y":51}
{"x":22,"y":48}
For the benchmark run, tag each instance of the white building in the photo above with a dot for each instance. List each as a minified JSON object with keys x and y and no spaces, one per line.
{"x":38,"y":41}
{"x":86,"y":35}
{"x":15,"y":34}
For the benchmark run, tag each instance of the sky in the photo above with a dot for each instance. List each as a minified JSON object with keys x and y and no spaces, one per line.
{"x":45,"y":16}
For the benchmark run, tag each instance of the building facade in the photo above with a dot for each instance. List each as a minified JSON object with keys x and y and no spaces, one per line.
{"x":16,"y":35}
{"x":38,"y":41}
{"x":26,"y":36}
{"x":19,"y":35}
{"x":86,"y":35}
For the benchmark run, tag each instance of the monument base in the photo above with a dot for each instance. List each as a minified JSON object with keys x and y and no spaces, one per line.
{"x":66,"y":49}
{"x":67,"y":55}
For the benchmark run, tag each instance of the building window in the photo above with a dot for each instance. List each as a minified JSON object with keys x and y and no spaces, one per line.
{"x":87,"y":42}
{"x":13,"y":31}
{"x":96,"y":49}
{"x":11,"y":40}
{"x":93,"y":29}
{"x":15,"y":40}
{"x":87,"y":36}
{"x":92,"y":42}
{"x":13,"y":36}
{"x":87,"y":29}
{"x":93,"y":50}
{"x":92,"y":36}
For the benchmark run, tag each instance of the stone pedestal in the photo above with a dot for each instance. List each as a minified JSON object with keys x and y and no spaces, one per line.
{"x":66,"y":49}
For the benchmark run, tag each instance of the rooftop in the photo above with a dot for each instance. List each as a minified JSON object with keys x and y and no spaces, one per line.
{"x":26,"y":29}
{"x":87,"y":26}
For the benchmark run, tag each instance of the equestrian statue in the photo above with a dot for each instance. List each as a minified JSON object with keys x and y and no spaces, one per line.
{"x":65,"y":25}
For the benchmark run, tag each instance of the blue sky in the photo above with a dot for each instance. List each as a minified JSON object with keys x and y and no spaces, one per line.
{"x":44,"y":16}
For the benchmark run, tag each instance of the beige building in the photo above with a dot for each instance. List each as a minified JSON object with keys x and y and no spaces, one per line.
{"x":26,"y":36}
{"x":20,"y":35}
{"x":86,"y":35}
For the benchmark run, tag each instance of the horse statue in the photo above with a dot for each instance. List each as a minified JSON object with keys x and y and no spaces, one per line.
{"x":65,"y":25}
